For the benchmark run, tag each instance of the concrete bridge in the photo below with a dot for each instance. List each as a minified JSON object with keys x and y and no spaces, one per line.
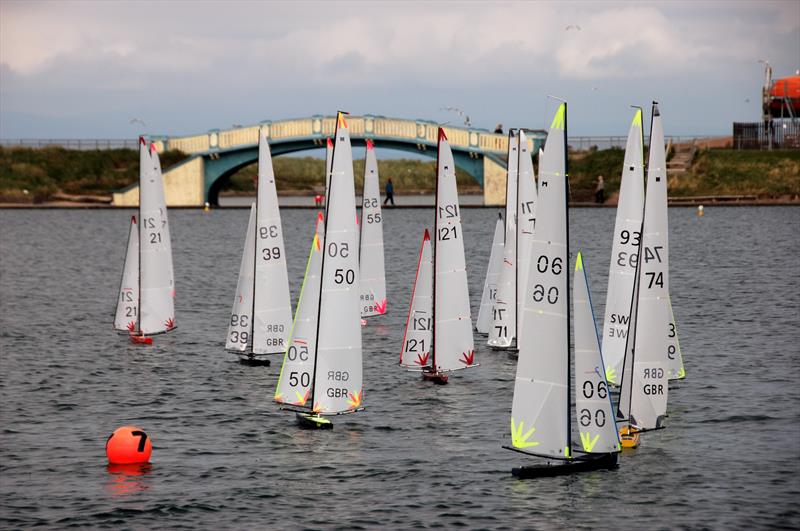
{"x":218,"y":154}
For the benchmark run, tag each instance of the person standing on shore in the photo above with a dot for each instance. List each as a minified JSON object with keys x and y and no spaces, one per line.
{"x":599,"y":191}
{"x":389,"y":192}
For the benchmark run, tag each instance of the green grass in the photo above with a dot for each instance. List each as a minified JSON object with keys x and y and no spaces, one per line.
{"x":43,"y":172}
{"x":306,"y":175}
{"x":729,"y":172}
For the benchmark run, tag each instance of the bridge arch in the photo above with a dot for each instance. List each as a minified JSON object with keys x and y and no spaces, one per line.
{"x":218,"y":154}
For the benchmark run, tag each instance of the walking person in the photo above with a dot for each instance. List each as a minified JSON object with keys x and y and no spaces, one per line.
{"x":599,"y":191}
{"x":389,"y":192}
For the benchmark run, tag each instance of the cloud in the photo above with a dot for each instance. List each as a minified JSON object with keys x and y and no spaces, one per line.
{"x":203,"y":66}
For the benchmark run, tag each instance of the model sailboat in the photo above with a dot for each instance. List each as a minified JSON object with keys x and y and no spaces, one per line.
{"x":261,"y":316}
{"x":506,"y":324}
{"x":452,"y":342}
{"x":489,"y":295}
{"x":644,"y":386}
{"x":371,"y":259}
{"x":624,"y":252}
{"x":152,"y":304}
{"x":336,"y":380}
{"x":540,"y":411}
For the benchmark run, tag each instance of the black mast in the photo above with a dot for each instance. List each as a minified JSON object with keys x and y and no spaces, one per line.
{"x":566,"y":272}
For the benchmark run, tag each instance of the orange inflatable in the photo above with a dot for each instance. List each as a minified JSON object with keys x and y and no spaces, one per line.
{"x":128,"y":445}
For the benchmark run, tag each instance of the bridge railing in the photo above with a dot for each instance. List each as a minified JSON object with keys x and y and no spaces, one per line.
{"x":83,"y":144}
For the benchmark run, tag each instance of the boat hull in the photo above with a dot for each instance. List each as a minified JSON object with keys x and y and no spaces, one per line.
{"x":436,"y":377}
{"x":254,"y":361}
{"x":312,"y":421}
{"x":585,"y":463}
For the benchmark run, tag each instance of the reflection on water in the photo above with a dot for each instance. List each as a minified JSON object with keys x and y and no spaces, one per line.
{"x":124,"y":480}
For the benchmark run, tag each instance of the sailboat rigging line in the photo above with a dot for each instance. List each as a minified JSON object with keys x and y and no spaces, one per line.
{"x":435,"y":252}
{"x":569,"y":302}
{"x":516,"y":246}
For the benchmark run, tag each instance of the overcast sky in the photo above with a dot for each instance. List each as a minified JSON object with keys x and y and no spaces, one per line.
{"x":86,"y":69}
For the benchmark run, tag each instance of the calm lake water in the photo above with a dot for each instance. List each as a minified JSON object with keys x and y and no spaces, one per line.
{"x":420,"y":456}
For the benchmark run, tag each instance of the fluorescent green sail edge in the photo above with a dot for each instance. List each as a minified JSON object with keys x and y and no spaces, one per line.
{"x":558,"y":120}
{"x":611,"y":375}
{"x":296,"y":311}
{"x":637,"y":118}
{"x":579,"y":262}
{"x":587,"y":441}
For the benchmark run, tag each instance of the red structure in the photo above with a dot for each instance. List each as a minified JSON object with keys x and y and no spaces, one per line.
{"x":784,"y":97}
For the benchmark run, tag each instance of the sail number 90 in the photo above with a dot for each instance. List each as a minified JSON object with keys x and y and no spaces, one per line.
{"x":556,"y":266}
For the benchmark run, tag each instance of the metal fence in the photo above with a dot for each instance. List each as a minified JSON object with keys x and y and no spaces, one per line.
{"x":759,"y":135}
{"x":83,"y":144}
{"x":581,"y":143}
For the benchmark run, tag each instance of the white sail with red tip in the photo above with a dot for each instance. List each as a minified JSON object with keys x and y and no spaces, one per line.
{"x":416,"y":349}
{"x":128,"y":301}
{"x":156,"y":282}
{"x":371,"y":257}
{"x":453,"y":346}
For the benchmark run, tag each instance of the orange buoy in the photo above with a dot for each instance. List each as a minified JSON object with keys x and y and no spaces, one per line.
{"x":128,"y":445}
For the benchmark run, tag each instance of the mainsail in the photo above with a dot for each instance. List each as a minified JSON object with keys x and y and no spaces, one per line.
{"x":624,"y":252}
{"x":294,"y":383}
{"x":511,"y":176}
{"x":504,"y":322}
{"x":648,"y":401}
{"x":596,"y":425}
{"x":156,"y":282}
{"x":272,"y":308}
{"x":540,"y":416}
{"x":128,"y":301}
{"x":337,"y":380}
{"x":484,"y":321}
{"x":240,"y":327}
{"x":417,"y":338}
{"x":373,"y":274}
{"x":453,"y":346}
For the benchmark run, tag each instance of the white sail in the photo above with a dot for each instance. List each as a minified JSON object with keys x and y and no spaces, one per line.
{"x":540,"y":417}
{"x":417,"y":338}
{"x":526,"y":221}
{"x":504,"y":321}
{"x":337,"y":385}
{"x":453,"y":346}
{"x":294,"y":383}
{"x":373,"y":273}
{"x":624,"y":252}
{"x":272,"y":307}
{"x":649,"y":392}
{"x":511,"y":177}
{"x":156,"y":282}
{"x":128,"y":301}
{"x":484,"y":320}
{"x":240,"y":326}
{"x":675,"y":369}
{"x":596,"y":425}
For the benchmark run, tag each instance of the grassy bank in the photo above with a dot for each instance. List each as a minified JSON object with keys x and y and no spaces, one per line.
{"x":44,"y":172}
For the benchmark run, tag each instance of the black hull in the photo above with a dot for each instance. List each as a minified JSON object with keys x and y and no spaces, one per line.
{"x":586,"y":463}
{"x":254,"y":362}
{"x":311,"y":421}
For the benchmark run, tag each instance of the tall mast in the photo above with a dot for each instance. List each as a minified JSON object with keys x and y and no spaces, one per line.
{"x":139,"y":280}
{"x":435,"y":253}
{"x":516,"y":248}
{"x":569,"y":302}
